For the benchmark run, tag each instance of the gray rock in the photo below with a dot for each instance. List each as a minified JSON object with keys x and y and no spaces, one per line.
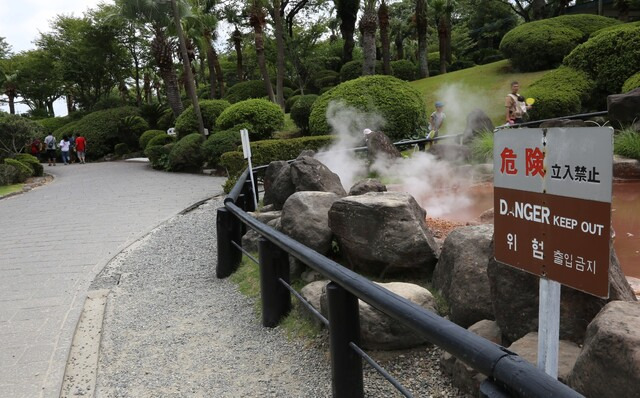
{"x":624,"y":108}
{"x":486,"y":217}
{"x":450,"y":152}
{"x":380,"y":332}
{"x":312,"y":292}
{"x":280,"y":188}
{"x":306,"y":152}
{"x":367,"y":185}
{"x":250,"y":241}
{"x":270,"y":174}
{"x":625,"y":168}
{"x":488,"y":330}
{"x":477,"y":122}
{"x":527,"y":348}
{"x":265,"y":216}
{"x":383,"y":231}
{"x":379,"y":145}
{"x":609,"y":364}
{"x":564,"y":123}
{"x":461,"y":274}
{"x":309,"y":174}
{"x":275,"y":224}
{"x":305,"y":218}
{"x":514,"y":294}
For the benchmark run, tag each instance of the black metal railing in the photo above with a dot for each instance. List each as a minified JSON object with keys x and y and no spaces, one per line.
{"x":508,"y":374}
{"x":570,"y":117}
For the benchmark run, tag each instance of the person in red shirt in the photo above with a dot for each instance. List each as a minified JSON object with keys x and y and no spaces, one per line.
{"x":81,"y":148}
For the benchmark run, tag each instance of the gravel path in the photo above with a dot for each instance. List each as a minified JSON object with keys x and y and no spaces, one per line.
{"x":171,"y":329}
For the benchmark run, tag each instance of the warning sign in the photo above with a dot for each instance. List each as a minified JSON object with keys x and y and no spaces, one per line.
{"x":552,"y":204}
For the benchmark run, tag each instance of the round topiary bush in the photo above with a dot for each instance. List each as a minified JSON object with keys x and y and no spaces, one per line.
{"x":396,"y":101}
{"x":32,"y":162}
{"x":610,"y":57}
{"x":166,"y":120}
{"x":23,"y":171}
{"x":161,"y":139}
{"x":121,"y":149}
{"x":301,"y":110}
{"x":245,"y":90}
{"x":186,"y":154}
{"x":8,"y":174}
{"x":147,"y":136}
{"x":290,"y":101}
{"x":51,"y":124}
{"x":560,"y":92}
{"x":631,"y":83}
{"x":404,"y":69}
{"x":158,"y":155}
{"x":187,"y":124}
{"x":264,"y":116}
{"x":351,"y":70}
{"x":219,"y":143}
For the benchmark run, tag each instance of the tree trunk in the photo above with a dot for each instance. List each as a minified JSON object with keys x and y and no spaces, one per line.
{"x":257,"y":21}
{"x":383,"y":20}
{"x":189,"y":84}
{"x":442,"y":44}
{"x":237,"y":42}
{"x":448,"y":43}
{"x":52,"y":112}
{"x":147,"y":88}
{"x":399,"y":41}
{"x":162,"y":53}
{"x":219,"y":73}
{"x":11,"y":98}
{"x":278,"y":15}
{"x":347,"y":11}
{"x":421,"y":28}
{"x":538,"y":9}
{"x":368,"y":28}
{"x":69,"y":100}
{"x":210,"y":63}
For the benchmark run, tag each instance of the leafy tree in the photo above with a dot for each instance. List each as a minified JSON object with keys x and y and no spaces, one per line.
{"x":347,"y":12}
{"x":402,"y":15}
{"x":257,"y":20}
{"x":421,"y":29}
{"x":16,"y":132}
{"x":39,"y":79}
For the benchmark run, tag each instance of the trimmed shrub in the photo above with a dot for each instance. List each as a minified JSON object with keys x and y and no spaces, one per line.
{"x":234,"y":162}
{"x":100,"y":129}
{"x":32,"y":162}
{"x":245,"y":90}
{"x":8,"y":174}
{"x":610,"y":58}
{"x":486,"y":56}
{"x":219,"y":143}
{"x":351,"y":70}
{"x":560,"y":92}
{"x":147,"y":136}
{"x":166,"y":121}
{"x":187,"y":124}
{"x":627,"y":144}
{"x":631,"y":83}
{"x":265,"y":152}
{"x":53,"y":123}
{"x":543,"y":44}
{"x":404,"y":70}
{"x":121,"y":149}
{"x":287,"y":92}
{"x":461,"y":64}
{"x":629,"y":25}
{"x":301,"y":111}
{"x":264,"y":116}
{"x":163,"y":139}
{"x":290,"y":101}
{"x":23,"y":171}
{"x":395,"y":100}
{"x":158,"y":155}
{"x":325,"y":78}
{"x":130,"y":128}
{"x":186,"y":154}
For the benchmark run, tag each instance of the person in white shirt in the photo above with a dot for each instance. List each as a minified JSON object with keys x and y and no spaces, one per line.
{"x":64,"y":145}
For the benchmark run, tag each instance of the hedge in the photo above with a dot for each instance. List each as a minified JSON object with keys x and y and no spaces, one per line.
{"x":159,"y":155}
{"x":23,"y":171}
{"x":246,"y":90}
{"x":186,"y":123}
{"x":219,"y":143}
{"x":264,"y":116}
{"x":32,"y":162}
{"x":99,"y":128}
{"x":395,"y":100}
{"x":290,"y":101}
{"x":543,"y":44}
{"x":186,"y":154}
{"x":351,"y":70}
{"x":610,"y":58}
{"x":631,"y":83}
{"x":147,"y":136}
{"x":404,"y":70}
{"x":560,"y":92}
{"x":301,"y":110}
{"x":8,"y":174}
{"x":53,"y":123}
{"x":163,"y":139}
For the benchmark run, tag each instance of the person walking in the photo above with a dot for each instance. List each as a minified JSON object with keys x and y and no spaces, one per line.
{"x":50,"y":146}
{"x":515,"y":104}
{"x":72,"y":148}
{"x":81,"y":147}
{"x":64,"y":145}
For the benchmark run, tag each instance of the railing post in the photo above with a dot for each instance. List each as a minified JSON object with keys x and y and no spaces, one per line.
{"x":249,"y":204}
{"x":488,"y":389}
{"x":228,"y":230}
{"x":344,"y":328}
{"x":276,"y":299}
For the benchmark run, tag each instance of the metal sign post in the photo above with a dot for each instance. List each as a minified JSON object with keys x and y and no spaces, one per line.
{"x":552,"y":201}
{"x":246,"y":152}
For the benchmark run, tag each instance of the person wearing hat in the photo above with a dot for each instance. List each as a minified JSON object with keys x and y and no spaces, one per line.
{"x":435,"y":120}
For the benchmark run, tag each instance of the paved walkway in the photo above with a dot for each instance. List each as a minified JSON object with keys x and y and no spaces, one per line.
{"x":55,"y":239}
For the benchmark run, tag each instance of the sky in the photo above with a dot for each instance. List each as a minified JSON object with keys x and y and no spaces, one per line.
{"x":21,"y":21}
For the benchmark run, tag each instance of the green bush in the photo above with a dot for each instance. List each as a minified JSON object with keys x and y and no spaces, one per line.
{"x":560,"y":92}
{"x":166,"y":121}
{"x":482,"y":147}
{"x":219,"y":143}
{"x":610,"y":58}
{"x":627,"y":144}
{"x":325,"y":78}
{"x":147,"y":136}
{"x":23,"y":171}
{"x":53,"y":123}
{"x":351,"y":70}
{"x":130,"y":128}
{"x":631,"y":83}
{"x":15,"y":131}
{"x":404,"y":70}
{"x":8,"y":174}
{"x":186,"y":154}
{"x":152,"y":114}
{"x":301,"y":111}
{"x":486,"y":56}
{"x":287,"y":92}
{"x":290,"y":101}
{"x":186,"y":123}
{"x":159,"y":155}
{"x":163,"y":139}
{"x":32,"y":162}
{"x":630,"y":25}
{"x":100,"y":129}
{"x":266,"y":151}
{"x":245,"y":90}
{"x":264,"y":116}
{"x":121,"y":149}
{"x":234,"y":162}
{"x":396,"y":101}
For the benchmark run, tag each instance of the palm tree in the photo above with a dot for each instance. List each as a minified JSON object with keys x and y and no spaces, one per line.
{"x":237,"y":43}
{"x":368,"y":27}
{"x":156,"y":14}
{"x":421,"y":29}
{"x":9,"y":84}
{"x":257,"y":21}
{"x":277,"y":13}
{"x":347,"y":12}
{"x":383,"y":20}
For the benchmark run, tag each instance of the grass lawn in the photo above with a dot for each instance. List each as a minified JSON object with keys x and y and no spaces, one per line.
{"x":7,"y":189}
{"x":483,"y":86}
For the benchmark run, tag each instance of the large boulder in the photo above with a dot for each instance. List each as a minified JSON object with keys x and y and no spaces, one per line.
{"x":305,"y":218}
{"x":624,"y":108}
{"x":309,"y":174}
{"x":269,"y":177}
{"x":380,"y":332}
{"x":251,"y":238}
{"x":280,"y":188}
{"x":383,"y":232}
{"x":367,"y":185}
{"x":477,"y":122}
{"x":380,"y":146}
{"x":312,"y":292}
{"x":461,"y":274}
{"x":514,"y":294}
{"x":568,"y":351}
{"x":625,"y":168}
{"x":609,"y":364}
